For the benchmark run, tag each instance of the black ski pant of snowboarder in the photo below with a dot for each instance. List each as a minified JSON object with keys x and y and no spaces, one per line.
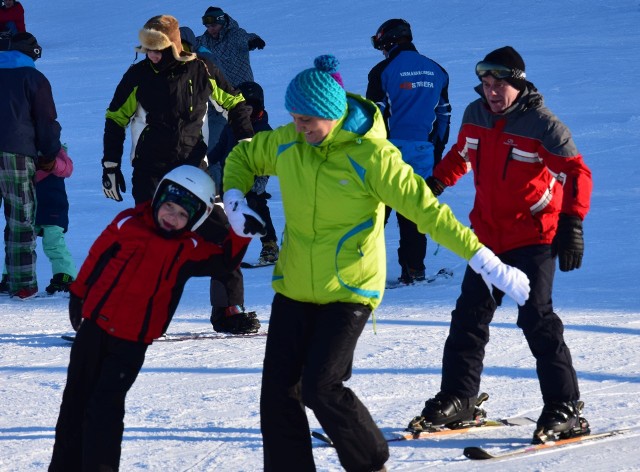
{"x":309,"y":354}
{"x":227,"y":289}
{"x":224,"y":290}
{"x":258,"y":203}
{"x":412,"y":248}
{"x":469,"y":332}
{"x":102,"y":369}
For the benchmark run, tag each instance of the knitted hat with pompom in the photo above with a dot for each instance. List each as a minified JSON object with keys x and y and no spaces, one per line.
{"x":318,"y":91}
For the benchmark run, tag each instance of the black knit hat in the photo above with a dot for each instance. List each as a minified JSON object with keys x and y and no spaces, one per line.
{"x":25,"y":43}
{"x":509,"y":57}
{"x":214,"y":15}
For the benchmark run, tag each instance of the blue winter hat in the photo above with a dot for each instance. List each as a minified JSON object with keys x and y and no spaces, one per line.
{"x":318,"y":91}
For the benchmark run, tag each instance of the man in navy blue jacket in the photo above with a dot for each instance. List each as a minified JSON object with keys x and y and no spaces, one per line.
{"x":29,"y":140}
{"x":411,"y":90}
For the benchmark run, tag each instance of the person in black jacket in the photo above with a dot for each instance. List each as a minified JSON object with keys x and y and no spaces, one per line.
{"x":166,"y":95}
{"x":29,"y":140}
{"x":165,"y":98}
{"x":231,"y":300}
{"x":226,"y":291}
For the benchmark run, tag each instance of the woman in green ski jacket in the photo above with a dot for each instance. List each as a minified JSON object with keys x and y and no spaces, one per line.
{"x":336,"y":172}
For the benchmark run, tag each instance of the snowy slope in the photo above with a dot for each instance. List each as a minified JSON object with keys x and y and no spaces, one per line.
{"x":195,"y":405}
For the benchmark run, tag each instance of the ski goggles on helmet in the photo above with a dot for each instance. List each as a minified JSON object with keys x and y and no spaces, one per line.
{"x":498,"y":71}
{"x":212,"y":20}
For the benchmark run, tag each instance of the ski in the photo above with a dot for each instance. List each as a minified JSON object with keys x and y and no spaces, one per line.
{"x":193,"y":336}
{"x":442,"y":274}
{"x":198,"y":336}
{"x":439,"y":431}
{"x":478,"y":453}
{"x":255,"y":265}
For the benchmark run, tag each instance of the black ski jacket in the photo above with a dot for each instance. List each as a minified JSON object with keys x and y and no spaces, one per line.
{"x":173,"y":103}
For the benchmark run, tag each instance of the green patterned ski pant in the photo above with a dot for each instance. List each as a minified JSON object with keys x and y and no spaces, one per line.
{"x":18,"y":193}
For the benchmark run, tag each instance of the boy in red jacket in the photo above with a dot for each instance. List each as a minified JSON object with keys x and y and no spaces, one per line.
{"x":125,"y":295}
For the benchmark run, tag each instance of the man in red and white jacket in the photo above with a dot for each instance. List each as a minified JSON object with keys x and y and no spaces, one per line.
{"x":533,"y":190}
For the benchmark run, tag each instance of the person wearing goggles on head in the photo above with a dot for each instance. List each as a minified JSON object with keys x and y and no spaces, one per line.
{"x":533,"y":190}
{"x":229,"y":44}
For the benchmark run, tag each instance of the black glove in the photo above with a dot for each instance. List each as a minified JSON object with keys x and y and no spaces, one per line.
{"x":75,"y":311}
{"x":568,"y":244}
{"x":436,"y":186}
{"x":113,"y":180}
{"x":256,"y":43}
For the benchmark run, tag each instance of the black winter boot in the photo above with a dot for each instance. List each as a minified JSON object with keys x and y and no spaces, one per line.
{"x":234,"y":320}
{"x":59,"y":283}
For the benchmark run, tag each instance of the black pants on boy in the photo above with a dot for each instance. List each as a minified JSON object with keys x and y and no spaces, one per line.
{"x":102,"y":369}
{"x":469,"y":332}
{"x":309,"y":354}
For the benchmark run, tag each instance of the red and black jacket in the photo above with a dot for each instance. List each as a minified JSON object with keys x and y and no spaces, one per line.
{"x":526,"y":168}
{"x":133,"y":278}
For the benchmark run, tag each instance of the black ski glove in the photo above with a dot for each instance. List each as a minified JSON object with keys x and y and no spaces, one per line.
{"x":436,"y":186}
{"x":75,"y":311}
{"x":256,"y":43}
{"x":568,"y":244}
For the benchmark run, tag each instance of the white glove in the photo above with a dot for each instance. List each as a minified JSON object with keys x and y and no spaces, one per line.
{"x":244,"y":221}
{"x":494,"y":272}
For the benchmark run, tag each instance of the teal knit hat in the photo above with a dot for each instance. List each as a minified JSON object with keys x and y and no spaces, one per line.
{"x":318,"y":91}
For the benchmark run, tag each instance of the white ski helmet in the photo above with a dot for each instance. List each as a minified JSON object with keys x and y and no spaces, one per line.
{"x":189,"y":187}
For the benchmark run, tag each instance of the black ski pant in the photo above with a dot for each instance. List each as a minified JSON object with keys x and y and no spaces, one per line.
{"x":225,"y":289}
{"x":469,"y":331}
{"x":258,"y":203}
{"x":309,"y":354}
{"x":101,"y":371}
{"x":412,"y":248}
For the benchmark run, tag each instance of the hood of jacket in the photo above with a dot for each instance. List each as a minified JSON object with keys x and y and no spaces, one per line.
{"x":15,"y":59}
{"x":361,"y":120}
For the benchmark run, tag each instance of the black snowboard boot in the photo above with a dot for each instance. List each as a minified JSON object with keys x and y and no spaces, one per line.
{"x":234,"y":320}
{"x":446,"y":409}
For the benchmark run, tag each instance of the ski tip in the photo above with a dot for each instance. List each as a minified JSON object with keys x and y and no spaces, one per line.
{"x":68,"y":338}
{"x":255,"y":265}
{"x":476,"y":453}
{"x":322,"y":437}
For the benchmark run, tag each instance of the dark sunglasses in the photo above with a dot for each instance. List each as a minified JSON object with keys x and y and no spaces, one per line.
{"x":212,"y":20}
{"x":498,"y":71}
